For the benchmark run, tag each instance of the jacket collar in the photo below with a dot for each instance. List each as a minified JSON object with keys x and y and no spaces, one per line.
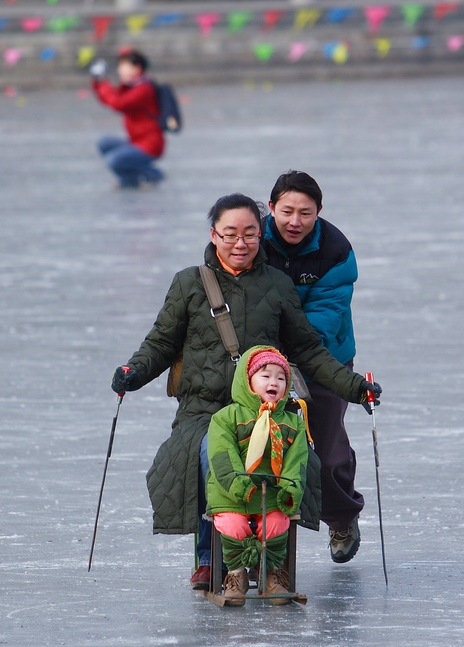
{"x":212,"y":260}
{"x":310,"y":243}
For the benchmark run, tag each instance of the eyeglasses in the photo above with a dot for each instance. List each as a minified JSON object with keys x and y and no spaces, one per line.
{"x":232,"y":239}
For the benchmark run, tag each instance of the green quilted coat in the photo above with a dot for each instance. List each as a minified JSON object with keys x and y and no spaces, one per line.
{"x":265,"y":309}
{"x":228,"y":439}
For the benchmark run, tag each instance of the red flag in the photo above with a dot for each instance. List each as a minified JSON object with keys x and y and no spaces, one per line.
{"x":100,"y":26}
{"x":271,"y":18}
{"x":444,"y":8}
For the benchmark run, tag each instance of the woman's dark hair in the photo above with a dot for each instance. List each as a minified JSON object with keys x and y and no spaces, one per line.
{"x":134,"y":58}
{"x":300,"y":182}
{"x":234,"y":201}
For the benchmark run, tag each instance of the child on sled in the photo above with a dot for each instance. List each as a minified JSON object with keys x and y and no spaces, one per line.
{"x":256,"y":433}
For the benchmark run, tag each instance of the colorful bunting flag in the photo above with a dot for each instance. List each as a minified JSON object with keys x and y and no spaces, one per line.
{"x":411,"y":13}
{"x":61,"y":24}
{"x":375,"y":16}
{"x":48,"y":54}
{"x":12,"y":55}
{"x":306,"y":18}
{"x":339,"y":14}
{"x":32,"y":24}
{"x":3,"y":23}
{"x":263,"y":51}
{"x":420,"y":42}
{"x":383,"y":46}
{"x":136,"y":24}
{"x":271,"y":18}
{"x":10,"y":91}
{"x":237,"y":20}
{"x":296,"y":51}
{"x":455,"y":43}
{"x":442,"y":9}
{"x":329,"y":48}
{"x":340,"y":54}
{"x":206,"y":22}
{"x":166,"y":19}
{"x":85,"y":55}
{"x":101,"y":25}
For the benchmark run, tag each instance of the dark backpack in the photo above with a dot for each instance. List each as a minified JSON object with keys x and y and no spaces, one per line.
{"x":170,"y":118}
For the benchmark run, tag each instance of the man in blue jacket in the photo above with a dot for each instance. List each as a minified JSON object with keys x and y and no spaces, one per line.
{"x":322,"y":265}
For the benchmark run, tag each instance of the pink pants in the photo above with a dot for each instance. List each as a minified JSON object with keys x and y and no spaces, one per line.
{"x":236,"y":525}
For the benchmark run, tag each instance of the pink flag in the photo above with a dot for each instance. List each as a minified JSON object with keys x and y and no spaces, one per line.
{"x":206,"y":22}
{"x":296,"y":51}
{"x":455,"y":43}
{"x":12,"y":55}
{"x":32,"y":24}
{"x":375,"y":16}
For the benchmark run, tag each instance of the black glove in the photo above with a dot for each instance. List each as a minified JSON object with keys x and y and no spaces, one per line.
{"x":123,"y":378}
{"x":376,"y":390}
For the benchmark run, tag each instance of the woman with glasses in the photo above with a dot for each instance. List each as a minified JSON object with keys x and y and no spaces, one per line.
{"x":265,"y":309}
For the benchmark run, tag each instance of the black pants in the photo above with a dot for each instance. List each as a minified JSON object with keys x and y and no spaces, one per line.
{"x":341,"y":503}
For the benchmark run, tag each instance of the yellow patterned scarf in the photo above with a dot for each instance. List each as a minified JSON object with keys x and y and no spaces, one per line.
{"x":264,"y":428}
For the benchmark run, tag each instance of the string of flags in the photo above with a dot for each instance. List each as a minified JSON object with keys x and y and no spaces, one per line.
{"x":297,"y":21}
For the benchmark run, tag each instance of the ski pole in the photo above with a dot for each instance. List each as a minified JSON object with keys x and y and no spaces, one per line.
{"x":108,"y":454}
{"x":371,"y":399}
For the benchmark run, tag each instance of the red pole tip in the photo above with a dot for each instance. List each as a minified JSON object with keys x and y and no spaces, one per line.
{"x":369,"y":377}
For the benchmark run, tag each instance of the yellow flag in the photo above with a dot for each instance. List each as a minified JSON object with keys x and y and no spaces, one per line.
{"x":136,"y":23}
{"x":340,"y":54}
{"x":85,"y":55}
{"x":306,"y":18}
{"x":383,"y":46}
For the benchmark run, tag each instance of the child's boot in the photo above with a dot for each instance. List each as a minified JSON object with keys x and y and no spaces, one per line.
{"x":236,"y":584}
{"x":277,"y":582}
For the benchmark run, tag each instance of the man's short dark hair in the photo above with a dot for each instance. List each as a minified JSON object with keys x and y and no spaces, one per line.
{"x":300,"y":182}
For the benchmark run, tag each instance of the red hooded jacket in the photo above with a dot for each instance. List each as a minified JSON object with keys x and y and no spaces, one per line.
{"x":139,"y":105}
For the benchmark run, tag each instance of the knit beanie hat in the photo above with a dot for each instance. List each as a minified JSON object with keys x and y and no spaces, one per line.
{"x":268,"y":356}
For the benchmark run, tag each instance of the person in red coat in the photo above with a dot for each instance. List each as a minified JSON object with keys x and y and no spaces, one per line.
{"x":131,"y":159}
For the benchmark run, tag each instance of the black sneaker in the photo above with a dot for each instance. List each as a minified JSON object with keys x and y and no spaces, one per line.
{"x":344,"y":544}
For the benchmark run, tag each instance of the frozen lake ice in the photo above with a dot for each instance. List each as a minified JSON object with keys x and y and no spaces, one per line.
{"x":84,"y":269}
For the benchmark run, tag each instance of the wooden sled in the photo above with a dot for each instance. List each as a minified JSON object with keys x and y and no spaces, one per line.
{"x":216,"y":593}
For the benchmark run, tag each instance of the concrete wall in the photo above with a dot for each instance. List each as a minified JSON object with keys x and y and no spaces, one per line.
{"x":49,"y":45}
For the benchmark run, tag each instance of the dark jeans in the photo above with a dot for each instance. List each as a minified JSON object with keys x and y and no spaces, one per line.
{"x":127,"y":162}
{"x":205,"y":527}
{"x":341,"y":503}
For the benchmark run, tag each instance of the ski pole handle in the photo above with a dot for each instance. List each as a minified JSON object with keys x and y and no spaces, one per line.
{"x":126,"y":369}
{"x":369,"y":377}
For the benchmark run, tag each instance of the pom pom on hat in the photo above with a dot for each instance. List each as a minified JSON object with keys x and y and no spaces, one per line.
{"x":268,"y":356}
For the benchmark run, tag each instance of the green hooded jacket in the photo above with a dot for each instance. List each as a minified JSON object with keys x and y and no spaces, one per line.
{"x":265,"y":309}
{"x":228,"y":440}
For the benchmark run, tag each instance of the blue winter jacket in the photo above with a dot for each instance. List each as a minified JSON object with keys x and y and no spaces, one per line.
{"x":323,"y":269}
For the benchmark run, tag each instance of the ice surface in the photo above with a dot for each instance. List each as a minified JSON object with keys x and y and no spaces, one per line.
{"x":83,"y":271}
